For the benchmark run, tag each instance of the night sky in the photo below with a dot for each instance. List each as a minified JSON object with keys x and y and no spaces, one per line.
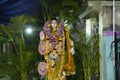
{"x":11,"y":8}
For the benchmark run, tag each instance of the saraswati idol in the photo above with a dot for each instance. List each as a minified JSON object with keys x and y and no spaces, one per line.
{"x":58,"y":50}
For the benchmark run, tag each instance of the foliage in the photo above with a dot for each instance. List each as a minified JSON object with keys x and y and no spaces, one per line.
{"x":22,"y":64}
{"x":64,"y":9}
{"x":88,"y":55}
{"x":3,"y":38}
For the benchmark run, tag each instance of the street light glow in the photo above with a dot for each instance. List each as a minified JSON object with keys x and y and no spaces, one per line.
{"x":29,"y":30}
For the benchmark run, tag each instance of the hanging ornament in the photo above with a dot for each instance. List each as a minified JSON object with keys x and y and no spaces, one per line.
{"x":42,"y":68}
{"x":42,"y":36}
{"x":41,"y":48}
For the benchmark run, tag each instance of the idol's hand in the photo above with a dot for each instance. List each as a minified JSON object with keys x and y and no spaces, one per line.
{"x":42,"y":36}
{"x":72,"y":51}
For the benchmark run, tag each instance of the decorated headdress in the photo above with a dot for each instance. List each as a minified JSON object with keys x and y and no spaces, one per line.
{"x":48,"y":25}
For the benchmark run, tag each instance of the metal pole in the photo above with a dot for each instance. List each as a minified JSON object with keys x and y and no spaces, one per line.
{"x":113,"y":20}
{"x":114,"y":61}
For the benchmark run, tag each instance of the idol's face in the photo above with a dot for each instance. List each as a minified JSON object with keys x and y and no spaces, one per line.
{"x":54,"y":23}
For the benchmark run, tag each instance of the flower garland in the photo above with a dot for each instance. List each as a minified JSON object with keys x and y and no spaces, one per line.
{"x":53,"y":37}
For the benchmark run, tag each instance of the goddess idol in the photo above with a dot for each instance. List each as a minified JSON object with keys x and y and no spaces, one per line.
{"x":58,"y":50}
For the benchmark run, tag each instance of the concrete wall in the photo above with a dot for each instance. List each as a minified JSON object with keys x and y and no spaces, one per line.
{"x":107,"y":18}
{"x":117,"y":18}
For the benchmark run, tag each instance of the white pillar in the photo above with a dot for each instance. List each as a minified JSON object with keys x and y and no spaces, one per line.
{"x":89,"y":27}
{"x":101,"y":44}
